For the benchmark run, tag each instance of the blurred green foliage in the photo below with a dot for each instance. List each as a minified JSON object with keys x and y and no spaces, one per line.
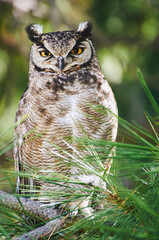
{"x":125,"y":36}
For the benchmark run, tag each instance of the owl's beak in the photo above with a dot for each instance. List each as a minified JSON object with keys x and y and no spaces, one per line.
{"x":61,"y":64}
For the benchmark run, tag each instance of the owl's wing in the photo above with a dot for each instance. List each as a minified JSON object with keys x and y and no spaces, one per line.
{"x":25,"y":184}
{"x":21,"y":181}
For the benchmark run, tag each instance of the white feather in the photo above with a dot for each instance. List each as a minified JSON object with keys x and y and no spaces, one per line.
{"x":37,"y":28}
{"x":82,"y":26}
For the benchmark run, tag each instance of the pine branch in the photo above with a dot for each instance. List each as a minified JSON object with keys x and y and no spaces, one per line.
{"x":35,"y":210}
{"x":28,"y":207}
{"x":40,"y":232}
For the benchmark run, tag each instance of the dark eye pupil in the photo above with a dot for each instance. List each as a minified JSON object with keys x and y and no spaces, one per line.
{"x":45,"y":53}
{"x":75,"y":50}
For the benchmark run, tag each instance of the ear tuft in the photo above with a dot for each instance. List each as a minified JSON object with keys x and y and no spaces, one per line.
{"x":34,"y":32}
{"x":85,"y":29}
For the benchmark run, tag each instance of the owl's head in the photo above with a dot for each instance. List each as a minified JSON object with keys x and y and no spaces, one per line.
{"x":62,"y":51}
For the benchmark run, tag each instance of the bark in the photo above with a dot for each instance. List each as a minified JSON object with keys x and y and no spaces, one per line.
{"x":34,"y":210}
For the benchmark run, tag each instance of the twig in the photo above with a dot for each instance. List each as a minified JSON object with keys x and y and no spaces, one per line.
{"x":28,"y":207}
{"x":35,"y":210}
{"x":41,"y":231}
{"x":62,"y":221}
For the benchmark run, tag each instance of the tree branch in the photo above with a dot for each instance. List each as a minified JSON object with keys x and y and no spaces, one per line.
{"x":35,"y":210}
{"x":28,"y":207}
{"x":41,"y":231}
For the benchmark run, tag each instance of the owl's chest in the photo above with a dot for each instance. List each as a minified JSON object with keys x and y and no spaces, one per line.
{"x":70,"y":113}
{"x":70,"y":109}
{"x":67,"y":115}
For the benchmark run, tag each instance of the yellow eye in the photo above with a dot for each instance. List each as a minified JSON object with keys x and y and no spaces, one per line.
{"x":45,"y":53}
{"x":77,"y":50}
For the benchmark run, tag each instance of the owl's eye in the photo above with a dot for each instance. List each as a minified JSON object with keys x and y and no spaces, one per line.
{"x":45,"y":53}
{"x":77,"y":50}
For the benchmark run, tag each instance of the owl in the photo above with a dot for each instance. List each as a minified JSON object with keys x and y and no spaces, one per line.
{"x":55,"y":111}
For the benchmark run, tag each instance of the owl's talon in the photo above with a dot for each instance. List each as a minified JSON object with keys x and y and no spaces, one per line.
{"x":73,"y":213}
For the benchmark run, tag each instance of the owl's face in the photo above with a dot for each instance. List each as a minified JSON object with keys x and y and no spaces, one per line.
{"x":59,"y":52}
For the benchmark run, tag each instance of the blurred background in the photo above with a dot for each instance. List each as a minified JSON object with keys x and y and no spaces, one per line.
{"x":125,"y":35}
